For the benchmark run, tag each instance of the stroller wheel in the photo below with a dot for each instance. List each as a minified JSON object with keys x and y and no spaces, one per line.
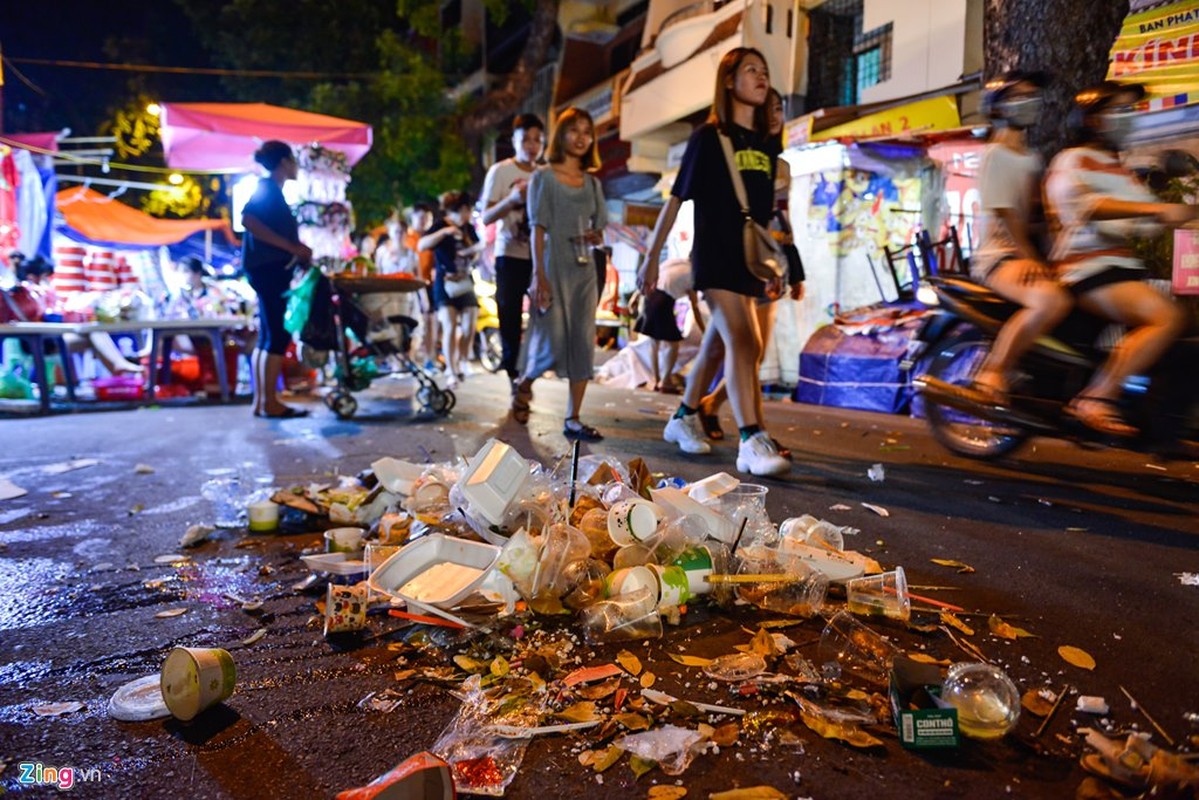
{"x":439,"y":401}
{"x":450,"y":400}
{"x":342,"y":404}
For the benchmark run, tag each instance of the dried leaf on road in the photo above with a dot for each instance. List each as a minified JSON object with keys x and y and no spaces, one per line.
{"x":630,"y":662}
{"x":763,"y":644}
{"x":170,"y":612}
{"x":751,"y":793}
{"x":953,"y":622}
{"x":648,"y":679}
{"x":667,"y":792}
{"x":640,"y":765}
{"x":1035,"y":702}
{"x":1079,"y":658}
{"x":598,"y":691}
{"x":964,"y":569}
{"x":471,"y":665}
{"x":925,"y":658}
{"x":592,"y":674}
{"x":583,"y":711}
{"x":1001,"y":628}
{"x":499,"y":667}
{"x":850,"y":734}
{"x":634,"y":722}
{"x":690,"y":661}
{"x":726,"y":734}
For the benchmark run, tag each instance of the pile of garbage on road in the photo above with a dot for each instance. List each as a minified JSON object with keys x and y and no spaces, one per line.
{"x":517,"y":576}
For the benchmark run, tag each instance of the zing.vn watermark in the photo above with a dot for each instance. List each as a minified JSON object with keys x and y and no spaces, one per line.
{"x":35,"y":773}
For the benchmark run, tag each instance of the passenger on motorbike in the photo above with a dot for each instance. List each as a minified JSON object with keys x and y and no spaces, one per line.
{"x":1007,"y":260}
{"x":1099,"y":205}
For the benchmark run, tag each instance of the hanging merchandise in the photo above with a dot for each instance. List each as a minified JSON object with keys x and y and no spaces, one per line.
{"x":324,"y":215}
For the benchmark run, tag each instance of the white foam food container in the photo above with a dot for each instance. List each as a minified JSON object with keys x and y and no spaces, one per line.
{"x":681,"y":504}
{"x":397,"y":476}
{"x":427,"y":553}
{"x":334,"y":564}
{"x":493,"y":480}
{"x":713,"y":486}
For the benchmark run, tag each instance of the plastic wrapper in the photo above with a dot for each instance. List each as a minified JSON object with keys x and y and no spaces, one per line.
{"x":736,"y":667}
{"x":628,"y":617}
{"x":483,"y":762}
{"x":588,"y":580}
{"x":672,"y":747}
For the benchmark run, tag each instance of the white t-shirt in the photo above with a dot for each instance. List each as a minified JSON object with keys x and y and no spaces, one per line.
{"x":1006,"y":179}
{"x":512,"y":233}
{"x":676,"y":278}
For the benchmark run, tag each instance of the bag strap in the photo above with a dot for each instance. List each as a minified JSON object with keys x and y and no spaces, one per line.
{"x":734,"y":173}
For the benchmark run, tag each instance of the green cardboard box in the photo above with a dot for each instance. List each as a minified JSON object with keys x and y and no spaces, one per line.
{"x":921,"y":723}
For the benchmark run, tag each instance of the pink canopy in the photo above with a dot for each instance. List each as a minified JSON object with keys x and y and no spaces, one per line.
{"x":224,"y":136}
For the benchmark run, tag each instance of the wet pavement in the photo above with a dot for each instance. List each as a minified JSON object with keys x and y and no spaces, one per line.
{"x":1085,"y":548}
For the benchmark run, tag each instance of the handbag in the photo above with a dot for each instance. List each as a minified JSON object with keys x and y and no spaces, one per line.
{"x":764,"y":257}
{"x":458,"y":287}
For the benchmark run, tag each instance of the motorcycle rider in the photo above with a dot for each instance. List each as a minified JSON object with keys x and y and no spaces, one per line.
{"x":1099,"y":204}
{"x":1007,"y":260}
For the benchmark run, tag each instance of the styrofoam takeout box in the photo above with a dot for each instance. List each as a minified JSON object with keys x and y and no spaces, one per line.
{"x":334,"y":564}
{"x":494,"y":478}
{"x":428,"y":551}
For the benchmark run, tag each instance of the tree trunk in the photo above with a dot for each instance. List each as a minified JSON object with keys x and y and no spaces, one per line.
{"x":505,"y":100}
{"x":1069,"y":39}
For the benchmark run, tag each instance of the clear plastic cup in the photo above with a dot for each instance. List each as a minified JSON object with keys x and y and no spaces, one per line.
{"x":562,"y":545}
{"x":787,"y":584}
{"x":883,"y":595}
{"x":987,"y":701}
{"x":225,"y":494}
{"x":856,"y":649}
{"x":629,"y":617}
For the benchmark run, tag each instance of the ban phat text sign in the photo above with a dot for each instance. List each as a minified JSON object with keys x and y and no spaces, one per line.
{"x":1160,"y":48}
{"x":1186,"y":262}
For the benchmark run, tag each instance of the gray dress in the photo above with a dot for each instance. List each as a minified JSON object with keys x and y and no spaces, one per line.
{"x":563,"y":338}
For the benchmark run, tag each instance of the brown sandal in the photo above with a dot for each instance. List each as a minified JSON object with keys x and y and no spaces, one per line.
{"x":520,"y":403}
{"x":1103,"y":418}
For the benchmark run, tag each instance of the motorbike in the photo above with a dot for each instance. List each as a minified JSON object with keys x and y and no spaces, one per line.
{"x":488,"y":348}
{"x":953,"y":342}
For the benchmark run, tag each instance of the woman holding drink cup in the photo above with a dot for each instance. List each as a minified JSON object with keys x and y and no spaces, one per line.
{"x":568,"y":216}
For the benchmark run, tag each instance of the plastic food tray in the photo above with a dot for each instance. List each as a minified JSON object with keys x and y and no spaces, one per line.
{"x":426,"y":552}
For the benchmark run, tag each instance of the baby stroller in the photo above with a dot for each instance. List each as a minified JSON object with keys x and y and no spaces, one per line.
{"x":381,"y":342}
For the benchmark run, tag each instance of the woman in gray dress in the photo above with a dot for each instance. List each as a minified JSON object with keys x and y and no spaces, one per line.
{"x":567,"y":215}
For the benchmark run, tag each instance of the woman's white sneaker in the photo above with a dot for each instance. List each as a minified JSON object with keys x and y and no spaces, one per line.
{"x":757,"y":455}
{"x":686,"y":432}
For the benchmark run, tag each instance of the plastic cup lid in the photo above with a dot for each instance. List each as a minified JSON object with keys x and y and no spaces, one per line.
{"x":138,"y":701}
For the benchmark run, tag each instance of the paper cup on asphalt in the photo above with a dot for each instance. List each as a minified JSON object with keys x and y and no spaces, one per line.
{"x":631,"y":580}
{"x":672,"y":586}
{"x":883,"y":595}
{"x":264,"y":516}
{"x":696,"y":563}
{"x":345,"y":608}
{"x":344,"y":540}
{"x":632,"y":521}
{"x":196,"y":678}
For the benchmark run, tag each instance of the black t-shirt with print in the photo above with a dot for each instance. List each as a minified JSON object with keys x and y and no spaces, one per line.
{"x":718,"y":255}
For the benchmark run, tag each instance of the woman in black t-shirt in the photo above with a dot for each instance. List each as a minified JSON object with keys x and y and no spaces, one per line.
{"x":718,"y":257}
{"x":270,"y":248}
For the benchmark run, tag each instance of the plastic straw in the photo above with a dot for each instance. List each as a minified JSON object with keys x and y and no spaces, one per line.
{"x":928,"y":600}
{"x":774,"y":577}
{"x":574,"y":472}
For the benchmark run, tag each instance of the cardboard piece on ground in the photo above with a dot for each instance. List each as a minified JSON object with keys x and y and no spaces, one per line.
{"x":9,"y":490}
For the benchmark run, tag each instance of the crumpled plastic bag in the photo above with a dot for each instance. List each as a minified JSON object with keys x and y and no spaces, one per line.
{"x":483,"y":762}
{"x":672,"y":747}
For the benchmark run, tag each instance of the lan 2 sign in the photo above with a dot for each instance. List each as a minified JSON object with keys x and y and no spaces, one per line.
{"x":1186,"y":262}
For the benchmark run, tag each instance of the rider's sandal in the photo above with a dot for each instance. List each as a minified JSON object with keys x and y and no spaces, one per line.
{"x":991,"y":395}
{"x":581,"y":432}
{"x":1103,"y":417}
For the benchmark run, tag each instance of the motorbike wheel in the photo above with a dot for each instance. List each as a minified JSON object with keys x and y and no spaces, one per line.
{"x":958,"y":431}
{"x":491,"y":351}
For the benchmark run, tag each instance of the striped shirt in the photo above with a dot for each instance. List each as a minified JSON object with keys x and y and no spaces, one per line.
{"x":1077,"y":180}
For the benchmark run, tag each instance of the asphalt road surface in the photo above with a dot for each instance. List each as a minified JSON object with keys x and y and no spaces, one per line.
{"x":1091,"y":549}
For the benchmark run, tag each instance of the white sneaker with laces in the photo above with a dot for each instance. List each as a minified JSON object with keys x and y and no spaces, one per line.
{"x":757,"y":455}
{"x":687,"y":434}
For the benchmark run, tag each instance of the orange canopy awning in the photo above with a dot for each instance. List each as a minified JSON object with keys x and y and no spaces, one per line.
{"x":102,"y":219}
